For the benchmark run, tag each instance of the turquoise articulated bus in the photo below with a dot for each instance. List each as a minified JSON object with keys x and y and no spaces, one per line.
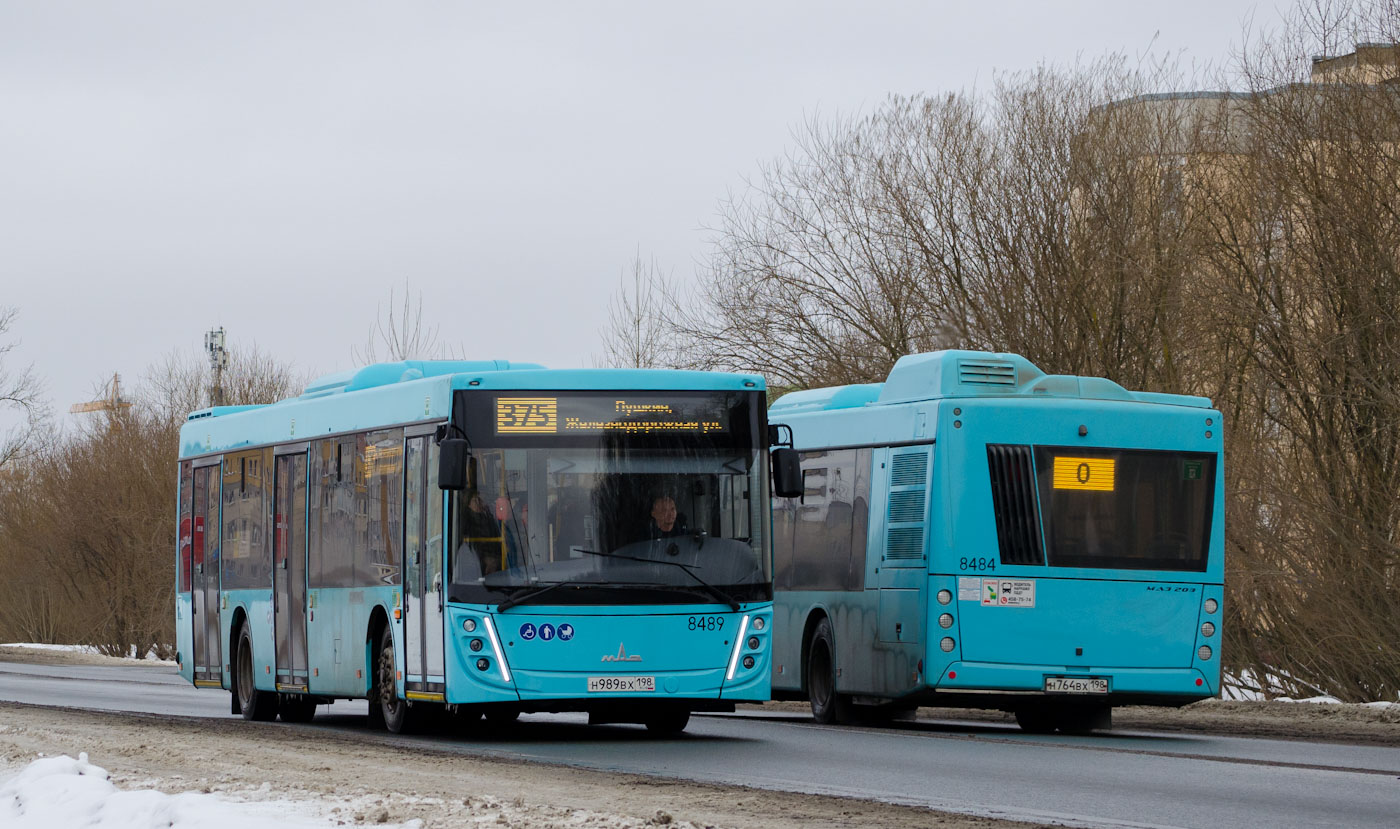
{"x":480,"y":538}
{"x":973,"y":532}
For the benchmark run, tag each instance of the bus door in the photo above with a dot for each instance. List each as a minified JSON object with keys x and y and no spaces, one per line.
{"x":204,"y":557}
{"x":289,"y":569}
{"x":422,"y":582}
{"x":903,"y":577}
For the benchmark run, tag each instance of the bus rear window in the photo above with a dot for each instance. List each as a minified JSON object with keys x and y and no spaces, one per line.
{"x":1134,"y":510}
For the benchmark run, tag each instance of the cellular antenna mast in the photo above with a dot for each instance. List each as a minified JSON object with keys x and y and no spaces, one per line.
{"x":218,"y":361}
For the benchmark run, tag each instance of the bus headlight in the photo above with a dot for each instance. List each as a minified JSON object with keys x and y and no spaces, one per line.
{"x":945,"y":621}
{"x":753,"y":643}
{"x":748,"y":662}
{"x":1207,"y":630}
{"x":1212,"y":605}
{"x":475,"y":645}
{"x":1204,"y":653}
{"x":944,"y":596}
{"x":947,"y":644}
{"x":469,"y":625}
{"x":758,"y":623}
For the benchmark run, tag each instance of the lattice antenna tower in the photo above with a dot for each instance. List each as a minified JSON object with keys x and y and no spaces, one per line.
{"x":218,"y":361}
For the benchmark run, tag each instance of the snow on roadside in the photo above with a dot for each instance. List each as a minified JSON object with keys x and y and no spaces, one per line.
{"x":60,"y":791}
{"x":1246,"y":687}
{"x":89,"y":649}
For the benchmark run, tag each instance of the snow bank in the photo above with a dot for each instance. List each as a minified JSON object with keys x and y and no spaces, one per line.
{"x":41,"y":646}
{"x":54,"y":792}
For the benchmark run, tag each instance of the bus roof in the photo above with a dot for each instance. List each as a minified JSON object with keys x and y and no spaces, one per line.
{"x":387,"y":394}
{"x":964,"y":374}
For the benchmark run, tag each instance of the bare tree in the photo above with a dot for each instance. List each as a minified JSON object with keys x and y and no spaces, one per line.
{"x":19,"y":395}
{"x":87,"y":525}
{"x":180,"y":382}
{"x":641,"y":317}
{"x":399,"y":334}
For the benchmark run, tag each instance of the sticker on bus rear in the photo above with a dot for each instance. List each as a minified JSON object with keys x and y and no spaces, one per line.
{"x":1008,"y":592}
{"x":969,"y":588}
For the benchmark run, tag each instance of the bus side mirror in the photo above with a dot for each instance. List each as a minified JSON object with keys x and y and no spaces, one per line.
{"x":454,"y":461}
{"x":787,"y":473}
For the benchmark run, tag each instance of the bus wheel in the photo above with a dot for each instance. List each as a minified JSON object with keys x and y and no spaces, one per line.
{"x":827,"y":705}
{"x":396,"y":713}
{"x":256,"y":705}
{"x":671,"y":721}
{"x":296,"y":708}
{"x":1037,"y":720}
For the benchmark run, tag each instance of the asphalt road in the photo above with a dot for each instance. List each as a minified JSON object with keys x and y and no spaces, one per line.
{"x":1118,"y":779}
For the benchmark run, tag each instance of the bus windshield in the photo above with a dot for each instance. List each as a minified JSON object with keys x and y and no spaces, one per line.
{"x":602,"y":514}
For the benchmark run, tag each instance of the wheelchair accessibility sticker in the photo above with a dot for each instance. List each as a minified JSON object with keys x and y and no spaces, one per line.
{"x":527,"y":631}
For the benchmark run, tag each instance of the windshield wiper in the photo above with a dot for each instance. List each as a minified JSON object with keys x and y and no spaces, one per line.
{"x":528,"y":593}
{"x":709,"y":588}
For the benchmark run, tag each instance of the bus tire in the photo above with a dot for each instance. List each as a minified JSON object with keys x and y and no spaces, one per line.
{"x":668,"y":722}
{"x":827,"y":706}
{"x":296,"y":708}
{"x":396,"y":714}
{"x":260,"y":706}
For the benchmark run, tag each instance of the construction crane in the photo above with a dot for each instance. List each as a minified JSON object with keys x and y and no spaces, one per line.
{"x":112,"y":400}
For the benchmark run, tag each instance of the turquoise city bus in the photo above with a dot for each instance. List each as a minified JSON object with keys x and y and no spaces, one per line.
{"x":973,"y":532}
{"x":480,"y":538}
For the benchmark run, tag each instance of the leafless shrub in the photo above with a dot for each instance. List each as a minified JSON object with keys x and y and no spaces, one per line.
{"x":87,"y":527}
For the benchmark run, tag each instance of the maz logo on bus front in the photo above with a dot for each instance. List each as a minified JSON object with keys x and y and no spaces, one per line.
{"x":622,"y":655}
{"x":527,"y":415}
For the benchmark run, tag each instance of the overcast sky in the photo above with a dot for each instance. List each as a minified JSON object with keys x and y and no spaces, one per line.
{"x":275,"y":168}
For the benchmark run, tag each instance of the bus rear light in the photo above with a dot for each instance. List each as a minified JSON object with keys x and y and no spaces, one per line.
{"x":1204,"y":653}
{"x":947,"y":644}
{"x":1212,"y":605}
{"x":952,"y":674}
{"x":945,"y":621}
{"x":1207,"y":630}
{"x":1200,"y":682}
{"x":944,"y":596}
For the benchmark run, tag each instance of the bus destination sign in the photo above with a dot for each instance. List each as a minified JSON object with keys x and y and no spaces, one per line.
{"x":614,"y":414}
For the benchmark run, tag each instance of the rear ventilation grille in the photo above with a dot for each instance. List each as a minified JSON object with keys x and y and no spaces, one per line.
{"x":986,"y":373}
{"x":909,"y":469}
{"x":908,"y":505}
{"x":1013,"y":502}
{"x":905,"y":543}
